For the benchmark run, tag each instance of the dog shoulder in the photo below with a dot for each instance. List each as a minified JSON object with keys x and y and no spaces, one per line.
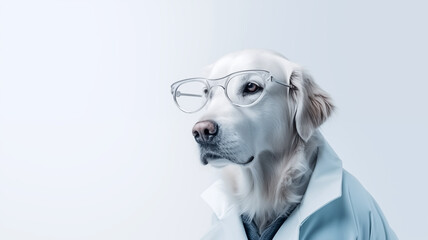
{"x":369,"y":218}
{"x":355,"y":215}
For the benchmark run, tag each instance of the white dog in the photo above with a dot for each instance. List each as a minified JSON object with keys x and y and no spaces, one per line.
{"x":280,"y":178}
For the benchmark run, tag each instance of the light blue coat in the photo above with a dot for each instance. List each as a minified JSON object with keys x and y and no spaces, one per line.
{"x":335,"y":206}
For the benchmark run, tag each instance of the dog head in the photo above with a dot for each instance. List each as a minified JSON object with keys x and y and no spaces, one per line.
{"x":231,"y":134}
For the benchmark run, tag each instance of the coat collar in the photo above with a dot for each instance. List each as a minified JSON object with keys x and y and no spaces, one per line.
{"x":324,"y":186}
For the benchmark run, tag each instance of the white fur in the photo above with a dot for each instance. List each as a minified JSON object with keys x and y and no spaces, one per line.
{"x":279,"y":131}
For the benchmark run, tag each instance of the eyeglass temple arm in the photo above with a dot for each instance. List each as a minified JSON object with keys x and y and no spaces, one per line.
{"x":283,"y":84}
{"x":178,"y":94}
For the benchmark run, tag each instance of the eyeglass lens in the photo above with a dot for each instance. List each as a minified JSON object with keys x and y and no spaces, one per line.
{"x":242,"y":89}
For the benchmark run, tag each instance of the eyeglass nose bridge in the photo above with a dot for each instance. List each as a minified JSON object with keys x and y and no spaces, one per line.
{"x":218,"y":82}
{"x":221,"y":82}
{"x":212,"y":88}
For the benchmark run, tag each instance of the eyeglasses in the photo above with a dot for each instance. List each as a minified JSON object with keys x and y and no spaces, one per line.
{"x":243,"y":89}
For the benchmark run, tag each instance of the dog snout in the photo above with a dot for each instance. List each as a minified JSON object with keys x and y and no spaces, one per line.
{"x":205,"y":131}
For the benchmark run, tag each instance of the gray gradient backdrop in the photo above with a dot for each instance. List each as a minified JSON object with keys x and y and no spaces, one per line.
{"x":93,"y":147}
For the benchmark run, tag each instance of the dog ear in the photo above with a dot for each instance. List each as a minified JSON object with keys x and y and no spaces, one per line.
{"x":312,"y":104}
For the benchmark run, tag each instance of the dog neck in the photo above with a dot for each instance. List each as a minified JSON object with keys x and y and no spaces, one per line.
{"x":275,"y":184}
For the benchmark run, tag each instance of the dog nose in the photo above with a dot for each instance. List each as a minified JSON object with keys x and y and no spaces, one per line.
{"x":205,"y":131}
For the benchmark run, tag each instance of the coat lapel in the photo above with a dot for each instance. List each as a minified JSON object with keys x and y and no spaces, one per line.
{"x":290,"y":228}
{"x":324,"y":187}
{"x":325,"y":184}
{"x":229,"y":224}
{"x":229,"y":227}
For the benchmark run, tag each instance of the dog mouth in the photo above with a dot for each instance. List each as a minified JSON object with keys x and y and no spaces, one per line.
{"x":248,"y":161}
{"x":212,"y":157}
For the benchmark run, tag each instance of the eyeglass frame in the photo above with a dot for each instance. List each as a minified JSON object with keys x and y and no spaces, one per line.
{"x":224,"y":84}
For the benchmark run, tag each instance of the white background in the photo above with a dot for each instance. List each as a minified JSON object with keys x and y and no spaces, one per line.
{"x":93,"y":147}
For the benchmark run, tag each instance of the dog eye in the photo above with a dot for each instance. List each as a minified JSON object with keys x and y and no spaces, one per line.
{"x":251,"y":88}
